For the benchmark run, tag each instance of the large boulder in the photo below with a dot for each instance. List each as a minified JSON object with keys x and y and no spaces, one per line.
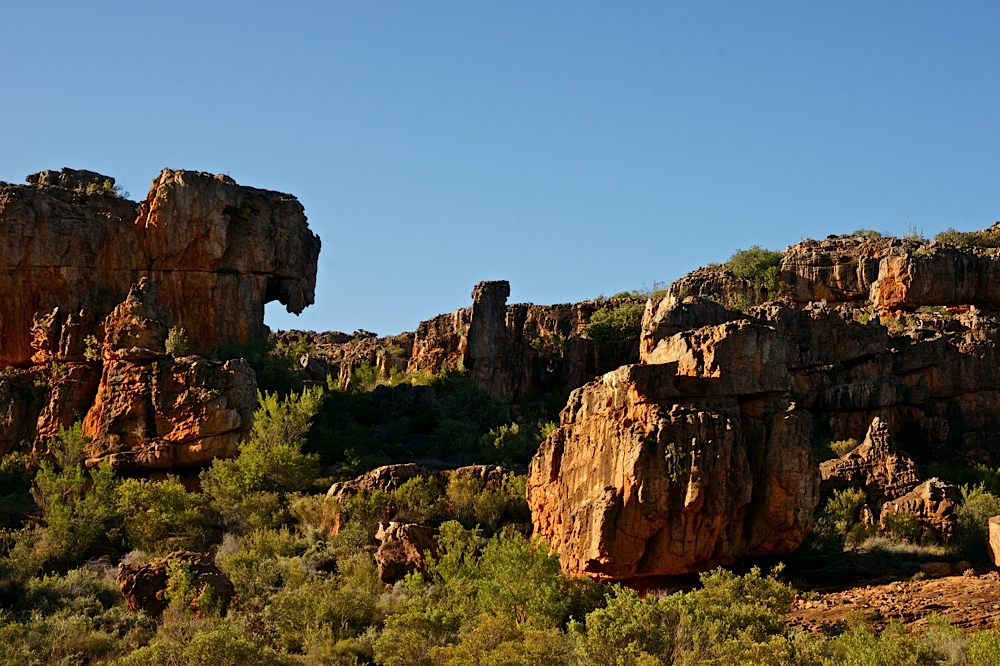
{"x":402,"y":549}
{"x":933,"y":504}
{"x":875,"y":467}
{"x":652,"y":472}
{"x":144,"y":584}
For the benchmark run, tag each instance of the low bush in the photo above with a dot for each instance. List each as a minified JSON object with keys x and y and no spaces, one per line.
{"x":618,"y":323}
{"x":251,"y":490}
{"x":160,"y":517}
{"x":972,"y":524}
{"x":177,"y":342}
{"x":759,"y":266}
{"x":986,"y":238}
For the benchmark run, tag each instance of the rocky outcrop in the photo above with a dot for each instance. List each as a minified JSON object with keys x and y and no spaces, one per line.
{"x":219,"y":252}
{"x":90,"y":285}
{"x":144,"y":584}
{"x":520,"y":353}
{"x":875,"y":467}
{"x":402,"y":549}
{"x":933,"y":504}
{"x":656,"y":472}
{"x":385,"y":478}
{"x":606,"y":491}
{"x":885,"y":273}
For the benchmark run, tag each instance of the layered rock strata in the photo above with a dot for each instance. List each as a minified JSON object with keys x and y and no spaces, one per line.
{"x":90,"y":285}
{"x":740,"y":398}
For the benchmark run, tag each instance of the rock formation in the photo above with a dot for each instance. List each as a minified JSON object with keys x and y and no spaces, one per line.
{"x":79,"y":336}
{"x":496,"y":342}
{"x":933,"y":504}
{"x":702,"y":454}
{"x":402,"y":549}
{"x":144,"y":584}
{"x":654,"y":471}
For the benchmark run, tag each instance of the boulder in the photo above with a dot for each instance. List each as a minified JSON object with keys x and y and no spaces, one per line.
{"x":933,"y":503}
{"x":935,"y":569}
{"x":652,"y":472}
{"x":402,"y":549}
{"x":386,"y":478}
{"x":144,"y":584}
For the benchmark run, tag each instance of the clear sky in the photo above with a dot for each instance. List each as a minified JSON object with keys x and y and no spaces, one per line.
{"x":573,"y":148}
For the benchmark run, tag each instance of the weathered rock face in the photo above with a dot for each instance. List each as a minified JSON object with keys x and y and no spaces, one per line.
{"x":402,"y":549}
{"x":144,"y":584}
{"x":219,"y":252}
{"x":932,"y":503}
{"x":90,"y":284}
{"x":604,"y":488}
{"x":496,"y":342}
{"x":875,"y":467}
{"x":655,"y":472}
{"x":886,"y":273}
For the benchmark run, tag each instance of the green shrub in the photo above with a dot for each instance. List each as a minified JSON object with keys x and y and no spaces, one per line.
{"x":759,"y":266}
{"x":161,"y":517}
{"x":258,"y":563}
{"x":838,"y":526}
{"x":972,"y":520}
{"x":986,"y":238}
{"x":504,"y":444}
{"x":627,"y":630}
{"x":842,"y":447}
{"x":77,"y":504}
{"x":276,"y":372}
{"x":621,"y":323}
{"x":496,"y":640}
{"x":903,"y":526}
{"x":251,"y":489}
{"x":739,"y":303}
{"x":177,"y":342}
{"x":92,"y":348}
{"x":866,"y":233}
{"x":420,"y":500}
{"x":551,"y":349}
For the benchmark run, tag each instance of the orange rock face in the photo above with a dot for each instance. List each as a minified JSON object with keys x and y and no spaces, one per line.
{"x":90,"y":284}
{"x":653,"y":473}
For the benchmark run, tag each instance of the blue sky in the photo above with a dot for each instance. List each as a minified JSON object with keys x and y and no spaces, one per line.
{"x":573,"y":148}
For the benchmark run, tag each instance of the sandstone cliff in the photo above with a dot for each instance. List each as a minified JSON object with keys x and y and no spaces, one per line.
{"x":90,"y":284}
{"x":702,"y":454}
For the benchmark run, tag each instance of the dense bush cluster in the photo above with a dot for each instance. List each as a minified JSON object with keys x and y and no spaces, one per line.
{"x":759,"y":266}
{"x":623,"y":322}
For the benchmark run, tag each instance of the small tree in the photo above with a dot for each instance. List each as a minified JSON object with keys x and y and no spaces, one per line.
{"x":177,"y":342}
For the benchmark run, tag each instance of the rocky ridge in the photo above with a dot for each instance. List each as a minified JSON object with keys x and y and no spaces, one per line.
{"x":702,"y":453}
